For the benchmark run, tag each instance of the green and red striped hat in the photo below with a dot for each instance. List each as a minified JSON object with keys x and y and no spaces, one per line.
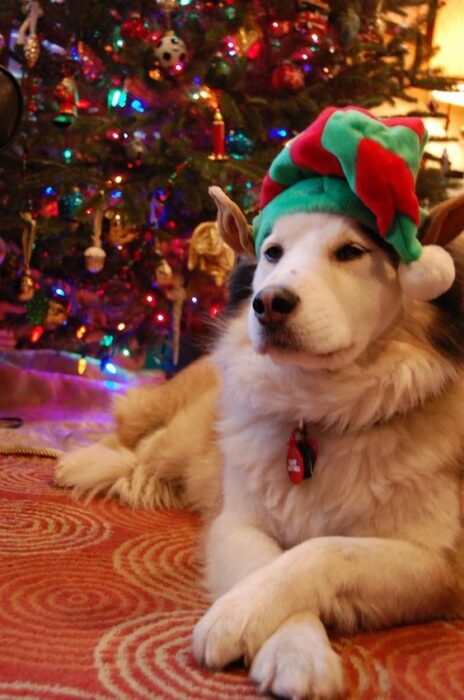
{"x":350,"y":162}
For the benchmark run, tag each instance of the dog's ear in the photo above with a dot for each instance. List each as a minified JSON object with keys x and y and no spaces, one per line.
{"x":232,"y":225}
{"x":444,"y":223}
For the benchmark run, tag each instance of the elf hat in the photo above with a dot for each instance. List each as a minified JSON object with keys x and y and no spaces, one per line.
{"x":350,"y":162}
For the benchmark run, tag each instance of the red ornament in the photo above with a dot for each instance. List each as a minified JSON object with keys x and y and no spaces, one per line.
{"x":288,"y":76}
{"x":134,"y":28}
{"x":67,"y":97}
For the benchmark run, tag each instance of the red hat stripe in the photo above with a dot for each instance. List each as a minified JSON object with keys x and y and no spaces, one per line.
{"x":385,"y":184}
{"x":307,"y":151}
{"x":269,"y":190}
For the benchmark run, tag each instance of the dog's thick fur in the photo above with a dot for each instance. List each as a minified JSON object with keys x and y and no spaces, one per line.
{"x":375,"y":537}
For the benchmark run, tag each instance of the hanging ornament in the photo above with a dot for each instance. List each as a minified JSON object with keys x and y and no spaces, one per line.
{"x":91,"y":66}
{"x":177,"y":294}
{"x":239,"y":144}
{"x":136,"y":148}
{"x":95,"y":255}
{"x":209,"y":253}
{"x":156,"y":208}
{"x":57,"y":313}
{"x":171,"y":53}
{"x":134,"y":28}
{"x":163,"y":272}
{"x":69,"y":204}
{"x":121,"y":231}
{"x":221,"y":73}
{"x":246,"y":38}
{"x":2,"y":250}
{"x":312,"y":22}
{"x":67,"y":97}
{"x":287,"y":76}
{"x":27,"y":33}
{"x":28,"y":238}
{"x":219,"y":152}
{"x":167,"y":5}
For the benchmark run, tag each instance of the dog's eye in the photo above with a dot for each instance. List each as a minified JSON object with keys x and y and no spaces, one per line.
{"x":350,"y":251}
{"x":274,"y":253}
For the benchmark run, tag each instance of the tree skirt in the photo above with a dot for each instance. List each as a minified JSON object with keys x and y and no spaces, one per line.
{"x":98,"y":601}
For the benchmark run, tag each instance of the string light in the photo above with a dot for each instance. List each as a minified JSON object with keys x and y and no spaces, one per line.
{"x":36,"y":334}
{"x":81,"y":365}
{"x":121,"y":326}
{"x":81,"y":332}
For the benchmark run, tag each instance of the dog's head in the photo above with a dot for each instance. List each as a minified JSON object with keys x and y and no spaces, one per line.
{"x":324,"y":288}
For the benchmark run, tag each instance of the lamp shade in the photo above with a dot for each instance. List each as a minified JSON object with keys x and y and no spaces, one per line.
{"x":448,"y":38}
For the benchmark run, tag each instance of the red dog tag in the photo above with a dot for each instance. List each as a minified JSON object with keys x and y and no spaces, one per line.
{"x":301,"y":456}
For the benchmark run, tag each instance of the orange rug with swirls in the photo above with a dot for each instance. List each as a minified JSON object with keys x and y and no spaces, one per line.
{"x":97,"y":602}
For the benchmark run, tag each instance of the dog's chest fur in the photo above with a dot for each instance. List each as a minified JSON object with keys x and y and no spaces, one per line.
{"x":382,"y":469}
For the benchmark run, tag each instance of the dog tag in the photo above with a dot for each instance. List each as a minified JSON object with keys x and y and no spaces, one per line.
{"x":301,"y":456}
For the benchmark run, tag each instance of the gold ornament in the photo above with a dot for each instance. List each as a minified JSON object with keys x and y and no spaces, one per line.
{"x":208,"y":253}
{"x":121,"y":231}
{"x":167,"y":5}
{"x":27,"y":287}
{"x":31,"y":51}
{"x":163,"y":273}
{"x":56,"y":314}
{"x":28,"y":238}
{"x":247,"y":37}
{"x":27,"y":33}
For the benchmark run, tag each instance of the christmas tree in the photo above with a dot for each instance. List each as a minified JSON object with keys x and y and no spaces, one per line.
{"x":131,"y":110}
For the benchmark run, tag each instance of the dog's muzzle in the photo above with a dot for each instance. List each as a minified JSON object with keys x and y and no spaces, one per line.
{"x":273,"y":304}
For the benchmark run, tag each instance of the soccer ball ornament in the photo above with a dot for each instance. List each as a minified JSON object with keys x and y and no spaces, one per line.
{"x":171,"y":53}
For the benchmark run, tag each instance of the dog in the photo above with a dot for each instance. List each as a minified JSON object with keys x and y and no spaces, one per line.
{"x":323,"y":440}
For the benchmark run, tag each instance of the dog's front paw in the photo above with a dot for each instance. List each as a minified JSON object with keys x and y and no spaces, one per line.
{"x":297,"y":661}
{"x":235,"y":626}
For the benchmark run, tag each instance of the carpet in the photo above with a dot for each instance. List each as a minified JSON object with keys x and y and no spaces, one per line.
{"x":97,"y":602}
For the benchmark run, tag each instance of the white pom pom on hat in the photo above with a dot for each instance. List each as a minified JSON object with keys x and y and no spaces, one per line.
{"x":428,"y":277}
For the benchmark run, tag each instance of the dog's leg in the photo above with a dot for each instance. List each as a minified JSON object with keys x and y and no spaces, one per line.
{"x":147,"y":408}
{"x":234,"y":550}
{"x":343,"y":581}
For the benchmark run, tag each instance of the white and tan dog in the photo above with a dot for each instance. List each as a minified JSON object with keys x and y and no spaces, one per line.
{"x":374,"y":538}
{"x":343,"y":372}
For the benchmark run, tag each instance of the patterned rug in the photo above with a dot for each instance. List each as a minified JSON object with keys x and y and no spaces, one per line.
{"x":98,"y":602}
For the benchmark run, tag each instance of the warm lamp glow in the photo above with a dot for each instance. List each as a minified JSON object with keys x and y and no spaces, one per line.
{"x":451,"y":97}
{"x":448,"y":38}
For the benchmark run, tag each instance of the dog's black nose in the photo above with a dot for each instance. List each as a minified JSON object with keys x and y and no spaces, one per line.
{"x":274,"y":303}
